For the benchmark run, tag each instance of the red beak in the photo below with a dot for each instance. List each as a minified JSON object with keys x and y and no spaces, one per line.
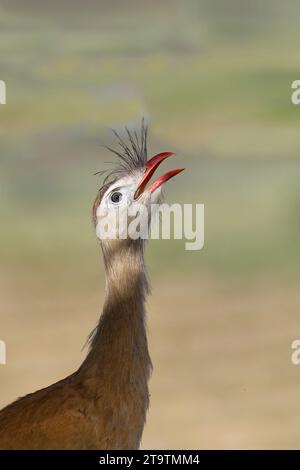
{"x":151,"y":166}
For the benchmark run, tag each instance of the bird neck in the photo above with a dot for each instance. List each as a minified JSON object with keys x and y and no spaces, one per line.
{"x":118,"y":346}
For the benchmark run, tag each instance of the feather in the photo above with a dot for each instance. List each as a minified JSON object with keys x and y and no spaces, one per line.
{"x":131,"y":153}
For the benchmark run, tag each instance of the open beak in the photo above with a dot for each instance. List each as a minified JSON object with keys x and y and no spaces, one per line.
{"x":151,"y":166}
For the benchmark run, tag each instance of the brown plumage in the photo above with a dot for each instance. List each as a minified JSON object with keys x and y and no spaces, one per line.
{"x":103,"y":404}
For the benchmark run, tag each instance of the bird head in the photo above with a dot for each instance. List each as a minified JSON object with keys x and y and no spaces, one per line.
{"x":127,"y":193}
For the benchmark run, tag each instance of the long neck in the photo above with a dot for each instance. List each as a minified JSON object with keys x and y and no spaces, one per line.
{"x":119,"y":351}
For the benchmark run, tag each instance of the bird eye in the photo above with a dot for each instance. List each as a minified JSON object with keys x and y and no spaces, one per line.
{"x":116,"y":197}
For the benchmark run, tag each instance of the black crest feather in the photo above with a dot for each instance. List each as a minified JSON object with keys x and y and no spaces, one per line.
{"x":131,"y":152}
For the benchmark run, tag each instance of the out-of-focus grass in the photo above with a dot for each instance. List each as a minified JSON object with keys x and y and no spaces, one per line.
{"x":231,"y":96}
{"x":220,"y":99}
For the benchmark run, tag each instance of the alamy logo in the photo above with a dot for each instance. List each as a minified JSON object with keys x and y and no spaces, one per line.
{"x":295,"y":356}
{"x":2,"y":92}
{"x":153,"y":221}
{"x":2,"y":352}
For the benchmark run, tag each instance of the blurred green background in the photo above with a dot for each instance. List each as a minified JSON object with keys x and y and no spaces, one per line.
{"x":214,"y":81}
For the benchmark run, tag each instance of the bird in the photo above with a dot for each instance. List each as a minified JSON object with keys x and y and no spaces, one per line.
{"x":103,"y":404}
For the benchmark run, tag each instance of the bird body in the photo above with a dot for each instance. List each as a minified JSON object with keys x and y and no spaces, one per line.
{"x":103,"y":404}
{"x":91,"y":409}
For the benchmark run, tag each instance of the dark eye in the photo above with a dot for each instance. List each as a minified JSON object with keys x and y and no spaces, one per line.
{"x":116,"y":197}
